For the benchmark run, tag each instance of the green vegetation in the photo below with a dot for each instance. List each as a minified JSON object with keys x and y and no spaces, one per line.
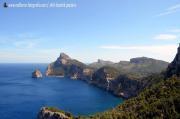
{"x":161,"y":101}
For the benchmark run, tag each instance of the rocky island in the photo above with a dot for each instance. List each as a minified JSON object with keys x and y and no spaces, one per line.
{"x":37,"y":74}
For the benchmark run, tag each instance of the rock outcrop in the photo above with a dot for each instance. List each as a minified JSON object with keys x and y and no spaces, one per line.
{"x":66,"y":66}
{"x":125,"y":86}
{"x":103,"y":76}
{"x":53,"y":113}
{"x":110,"y":79}
{"x":37,"y":74}
{"x":174,"y":66}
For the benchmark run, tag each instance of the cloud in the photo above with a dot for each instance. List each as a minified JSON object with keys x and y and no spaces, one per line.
{"x":163,"y":52}
{"x":24,"y":44}
{"x":175,"y":30}
{"x":150,"y":48}
{"x":170,"y":10}
{"x":165,"y":37}
{"x":147,"y":47}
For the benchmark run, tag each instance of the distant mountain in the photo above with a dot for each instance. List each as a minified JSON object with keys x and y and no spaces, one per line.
{"x":100,"y":63}
{"x":141,"y":66}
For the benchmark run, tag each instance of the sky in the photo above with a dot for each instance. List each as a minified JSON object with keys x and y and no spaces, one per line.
{"x":112,"y":30}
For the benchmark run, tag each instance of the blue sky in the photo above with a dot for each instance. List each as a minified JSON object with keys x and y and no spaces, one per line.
{"x":107,"y":29}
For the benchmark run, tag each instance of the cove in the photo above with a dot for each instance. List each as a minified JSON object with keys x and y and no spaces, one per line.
{"x":21,"y":96}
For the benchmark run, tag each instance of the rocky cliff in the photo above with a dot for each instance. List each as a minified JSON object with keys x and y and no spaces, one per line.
{"x":53,"y":113}
{"x":66,"y":66}
{"x":103,"y":77}
{"x":174,"y":66}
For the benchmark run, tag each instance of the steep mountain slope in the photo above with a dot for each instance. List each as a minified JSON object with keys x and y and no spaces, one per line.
{"x":162,"y":101}
{"x":66,"y":66}
{"x":174,"y":67}
{"x":103,"y":76}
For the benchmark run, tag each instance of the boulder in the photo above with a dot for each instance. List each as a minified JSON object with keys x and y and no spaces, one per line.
{"x":37,"y":74}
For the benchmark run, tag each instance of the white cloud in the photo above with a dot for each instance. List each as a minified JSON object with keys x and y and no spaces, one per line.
{"x":165,"y":37}
{"x":170,"y":10}
{"x":24,"y":44}
{"x":163,"y":52}
{"x":155,"y":48}
{"x":175,"y":30}
{"x":175,"y":7}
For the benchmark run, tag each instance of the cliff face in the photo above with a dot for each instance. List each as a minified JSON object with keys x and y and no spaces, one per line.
{"x":174,"y":66}
{"x":125,"y":86}
{"x":66,"y":66}
{"x":103,"y":77}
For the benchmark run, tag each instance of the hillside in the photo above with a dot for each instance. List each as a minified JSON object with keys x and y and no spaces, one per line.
{"x":162,"y":101}
{"x":141,"y":66}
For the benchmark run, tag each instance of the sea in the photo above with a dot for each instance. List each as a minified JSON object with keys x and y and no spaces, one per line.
{"x":21,"y":97}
